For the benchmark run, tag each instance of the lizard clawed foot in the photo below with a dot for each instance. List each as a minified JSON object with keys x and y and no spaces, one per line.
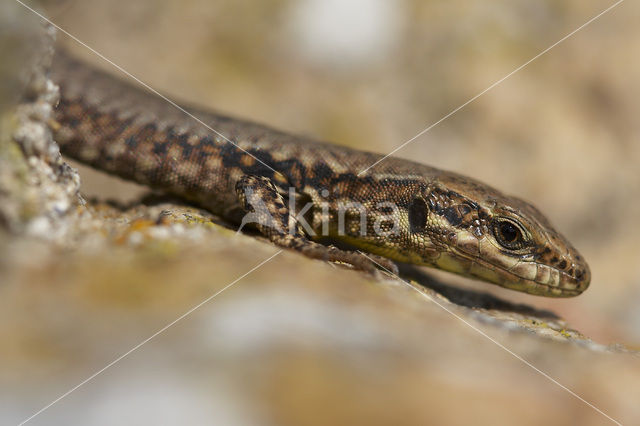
{"x":382,"y":263}
{"x":369,"y":263}
{"x":267,"y":210}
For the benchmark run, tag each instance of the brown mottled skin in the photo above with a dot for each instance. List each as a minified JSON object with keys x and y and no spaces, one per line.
{"x":446,"y":220}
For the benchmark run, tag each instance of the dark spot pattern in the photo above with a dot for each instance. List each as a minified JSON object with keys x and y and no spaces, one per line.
{"x":417,"y":215}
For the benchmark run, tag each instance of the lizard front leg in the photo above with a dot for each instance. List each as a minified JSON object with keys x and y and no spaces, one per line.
{"x":266,"y":210}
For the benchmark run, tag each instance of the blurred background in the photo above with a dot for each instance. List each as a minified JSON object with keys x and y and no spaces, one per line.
{"x":562,"y":133}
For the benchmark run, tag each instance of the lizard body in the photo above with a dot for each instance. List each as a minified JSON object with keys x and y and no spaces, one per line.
{"x":398,"y":210}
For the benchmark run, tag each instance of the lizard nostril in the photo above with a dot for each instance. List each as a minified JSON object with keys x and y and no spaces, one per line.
{"x":562,"y":264}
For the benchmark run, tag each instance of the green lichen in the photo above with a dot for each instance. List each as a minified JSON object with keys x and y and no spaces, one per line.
{"x":565,"y":333}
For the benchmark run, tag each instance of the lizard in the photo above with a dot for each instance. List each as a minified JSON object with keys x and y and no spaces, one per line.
{"x":312,"y":196}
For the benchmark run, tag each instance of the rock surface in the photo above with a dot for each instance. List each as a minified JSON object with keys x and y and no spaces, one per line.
{"x":232,"y":339}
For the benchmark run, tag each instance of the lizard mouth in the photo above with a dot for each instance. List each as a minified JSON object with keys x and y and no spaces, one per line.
{"x":526,"y":276}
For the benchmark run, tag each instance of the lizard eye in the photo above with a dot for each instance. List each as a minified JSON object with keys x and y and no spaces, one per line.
{"x":417,"y":215}
{"x":508,"y":233}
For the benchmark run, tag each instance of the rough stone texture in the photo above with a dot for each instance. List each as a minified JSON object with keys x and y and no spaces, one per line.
{"x":295,"y":342}
{"x":38,"y":191}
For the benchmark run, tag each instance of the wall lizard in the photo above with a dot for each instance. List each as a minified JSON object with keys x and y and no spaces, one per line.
{"x":302,"y":194}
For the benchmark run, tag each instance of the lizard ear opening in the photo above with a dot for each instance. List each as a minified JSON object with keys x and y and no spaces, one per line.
{"x":417,"y":215}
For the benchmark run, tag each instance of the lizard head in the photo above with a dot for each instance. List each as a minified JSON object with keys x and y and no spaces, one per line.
{"x":478,"y":231}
